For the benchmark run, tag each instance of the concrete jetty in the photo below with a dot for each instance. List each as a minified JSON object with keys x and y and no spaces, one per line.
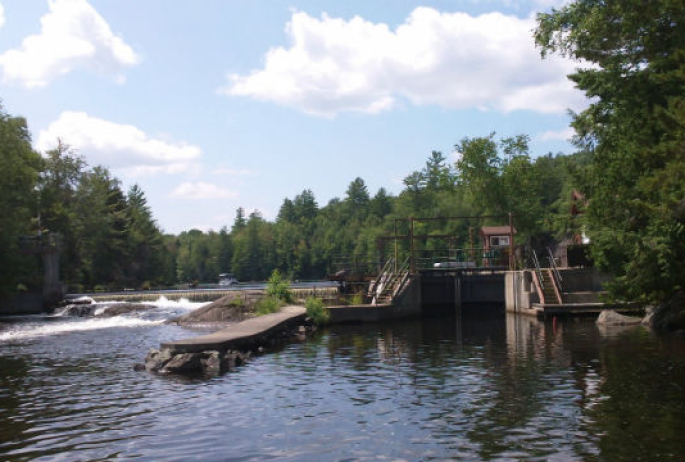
{"x":240,"y":335}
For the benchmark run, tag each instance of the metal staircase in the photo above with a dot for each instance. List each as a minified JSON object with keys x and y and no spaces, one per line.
{"x":389,"y":283}
{"x":547,"y":281}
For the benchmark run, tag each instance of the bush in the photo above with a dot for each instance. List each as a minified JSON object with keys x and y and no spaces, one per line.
{"x":268,"y":305}
{"x":316,"y":311}
{"x":279,"y":288}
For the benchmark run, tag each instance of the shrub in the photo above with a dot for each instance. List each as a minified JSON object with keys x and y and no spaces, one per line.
{"x":279,"y":288}
{"x":316,"y":311}
{"x":357,"y":299}
{"x":268,"y":305}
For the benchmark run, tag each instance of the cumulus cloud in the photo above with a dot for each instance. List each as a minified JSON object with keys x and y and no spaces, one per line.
{"x":201,"y":190}
{"x":557,"y":135}
{"x":452,"y":60}
{"x":119,"y":146}
{"x":73,"y":35}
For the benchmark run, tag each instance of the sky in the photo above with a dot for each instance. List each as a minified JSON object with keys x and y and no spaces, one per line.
{"x":213,"y":105}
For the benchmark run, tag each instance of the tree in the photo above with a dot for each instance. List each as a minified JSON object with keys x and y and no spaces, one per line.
{"x":19,"y":165}
{"x":633,"y":133}
{"x":100,"y":229}
{"x":145,"y":248}
{"x":239,"y":222}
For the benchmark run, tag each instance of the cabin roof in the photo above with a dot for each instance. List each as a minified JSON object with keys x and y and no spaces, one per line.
{"x":495,"y":230}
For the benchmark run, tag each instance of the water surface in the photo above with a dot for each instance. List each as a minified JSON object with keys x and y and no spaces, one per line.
{"x":482,"y":386}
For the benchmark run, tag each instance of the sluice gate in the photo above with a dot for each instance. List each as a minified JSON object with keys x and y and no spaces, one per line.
{"x":441,"y":289}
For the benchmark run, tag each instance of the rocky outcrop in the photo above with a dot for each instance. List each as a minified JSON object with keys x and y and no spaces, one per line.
{"x":210,"y":362}
{"x":669,"y":316}
{"x":117,"y":309}
{"x":107,"y":310}
{"x":612,"y":318}
{"x":228,"y":309}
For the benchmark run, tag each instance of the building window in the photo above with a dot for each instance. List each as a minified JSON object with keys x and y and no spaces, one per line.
{"x":499,"y":241}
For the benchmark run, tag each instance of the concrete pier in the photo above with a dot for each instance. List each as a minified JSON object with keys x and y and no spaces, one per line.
{"x":240,"y":335}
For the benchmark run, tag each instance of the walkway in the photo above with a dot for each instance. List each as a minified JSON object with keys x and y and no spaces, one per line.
{"x":238,"y":335}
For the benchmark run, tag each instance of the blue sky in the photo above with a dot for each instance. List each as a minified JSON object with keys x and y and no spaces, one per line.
{"x":214,"y":105}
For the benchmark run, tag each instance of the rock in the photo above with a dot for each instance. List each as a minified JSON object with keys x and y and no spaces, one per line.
{"x":156,"y":359}
{"x":79,"y":310}
{"x":649,"y":316}
{"x":117,"y":309}
{"x":138,"y":367}
{"x":230,"y":308}
{"x":612,"y":318}
{"x":76,"y":301}
{"x":184,"y":363}
{"x":212,"y":362}
{"x":669,"y":316}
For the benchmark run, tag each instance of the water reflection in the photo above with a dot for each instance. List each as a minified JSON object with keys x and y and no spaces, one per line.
{"x":475,"y":385}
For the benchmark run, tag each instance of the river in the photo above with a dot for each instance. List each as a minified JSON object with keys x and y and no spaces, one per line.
{"x":480,"y":385}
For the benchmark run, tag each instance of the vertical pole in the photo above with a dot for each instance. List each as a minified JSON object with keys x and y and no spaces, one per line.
{"x":512,"y":265}
{"x":395,"y":240}
{"x":472,"y":254}
{"x":411,"y":242}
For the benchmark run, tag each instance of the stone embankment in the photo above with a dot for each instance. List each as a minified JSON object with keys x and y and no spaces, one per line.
{"x":222,"y":351}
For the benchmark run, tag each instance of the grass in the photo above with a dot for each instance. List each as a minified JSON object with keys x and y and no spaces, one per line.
{"x":268,"y":305}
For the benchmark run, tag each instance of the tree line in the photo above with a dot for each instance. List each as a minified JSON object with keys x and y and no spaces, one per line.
{"x":628,"y":166}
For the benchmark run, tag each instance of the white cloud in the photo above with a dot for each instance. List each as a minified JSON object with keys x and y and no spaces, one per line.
{"x":558,"y":135}
{"x":448,"y":59}
{"x":118,"y":146}
{"x":73,"y":35}
{"x":202,"y":190}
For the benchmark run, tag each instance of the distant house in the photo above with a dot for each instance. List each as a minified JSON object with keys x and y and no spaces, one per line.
{"x":496,"y":241}
{"x":496,"y":237}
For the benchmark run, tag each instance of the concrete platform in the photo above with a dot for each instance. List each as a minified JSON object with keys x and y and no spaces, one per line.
{"x":583,"y":308}
{"x":242,"y":334}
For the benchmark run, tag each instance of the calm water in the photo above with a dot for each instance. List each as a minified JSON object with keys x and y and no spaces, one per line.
{"x":472,"y":387}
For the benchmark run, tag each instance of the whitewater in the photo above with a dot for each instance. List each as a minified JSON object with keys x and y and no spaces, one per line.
{"x":31,"y":327}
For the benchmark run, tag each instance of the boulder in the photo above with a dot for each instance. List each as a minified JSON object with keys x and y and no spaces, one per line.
{"x":228,"y":309}
{"x":117,"y":309}
{"x":184,"y":363}
{"x":156,"y":359}
{"x":612,"y":318}
{"x":212,"y":362}
{"x":78,"y":310}
{"x":669,"y":316}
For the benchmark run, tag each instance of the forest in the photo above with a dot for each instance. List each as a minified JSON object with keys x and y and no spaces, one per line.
{"x":629,"y":166}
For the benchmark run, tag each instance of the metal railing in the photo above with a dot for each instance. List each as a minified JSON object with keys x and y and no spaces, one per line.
{"x":538,"y":270}
{"x":555,"y":269}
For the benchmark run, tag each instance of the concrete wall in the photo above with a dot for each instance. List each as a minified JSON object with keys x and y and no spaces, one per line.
{"x":519,"y":291}
{"x":407,"y":304}
{"x":583,"y":280}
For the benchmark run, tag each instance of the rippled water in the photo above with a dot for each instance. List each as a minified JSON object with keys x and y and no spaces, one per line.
{"x":471,"y":387}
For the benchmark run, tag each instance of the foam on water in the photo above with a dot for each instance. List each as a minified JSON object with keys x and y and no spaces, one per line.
{"x":45,"y":329}
{"x":160,"y":310}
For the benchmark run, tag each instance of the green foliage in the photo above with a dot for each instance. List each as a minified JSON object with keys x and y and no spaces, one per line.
{"x":632,"y":134}
{"x":268,"y":305}
{"x":279,"y":288}
{"x":316,"y":311}
{"x":19,"y":165}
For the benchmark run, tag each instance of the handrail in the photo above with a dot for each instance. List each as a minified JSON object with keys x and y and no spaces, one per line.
{"x":381,"y":277}
{"x":536,"y":262}
{"x":555,"y":269}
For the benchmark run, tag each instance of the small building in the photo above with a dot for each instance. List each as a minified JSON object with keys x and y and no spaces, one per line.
{"x":496,"y":241}
{"x":496,"y":237}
